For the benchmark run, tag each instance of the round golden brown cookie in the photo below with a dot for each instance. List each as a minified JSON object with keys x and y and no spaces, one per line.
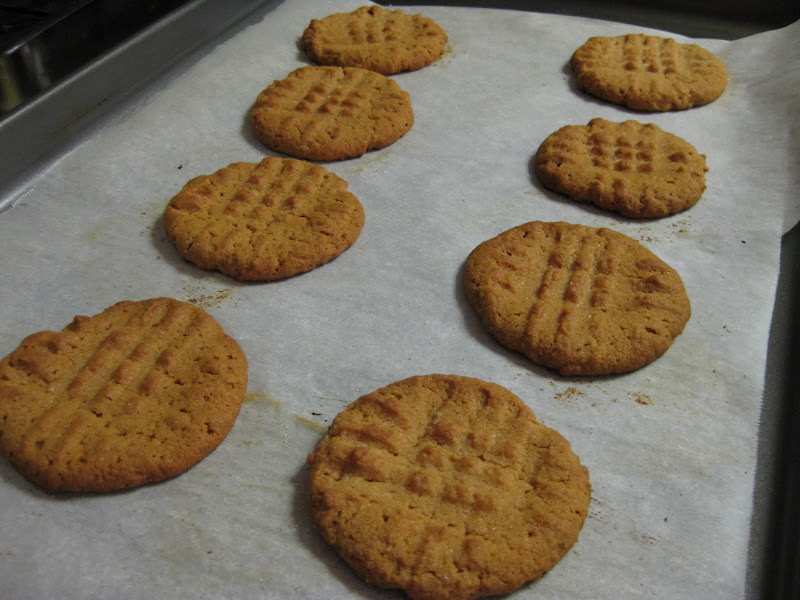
{"x":264,"y":221}
{"x":646,"y":72}
{"x":331,"y":113}
{"x":371,"y":37}
{"x":581,"y":300}
{"x":448,"y":488}
{"x":134,"y":395}
{"x":635,"y":169}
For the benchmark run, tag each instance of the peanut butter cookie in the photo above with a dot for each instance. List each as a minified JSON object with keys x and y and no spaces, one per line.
{"x":577,"y":299}
{"x":134,"y":395}
{"x":647,"y":72}
{"x":448,"y":488}
{"x":264,"y":221}
{"x":331,"y":113}
{"x":635,"y":169}
{"x":371,"y":37}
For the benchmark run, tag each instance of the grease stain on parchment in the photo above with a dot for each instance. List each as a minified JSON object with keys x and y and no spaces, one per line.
{"x":257,"y":397}
{"x":446,"y":57}
{"x":99,"y":230}
{"x":262,"y":397}
{"x":311,"y":424}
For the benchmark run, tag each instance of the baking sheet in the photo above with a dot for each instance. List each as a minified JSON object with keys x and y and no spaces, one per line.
{"x":671,"y":448}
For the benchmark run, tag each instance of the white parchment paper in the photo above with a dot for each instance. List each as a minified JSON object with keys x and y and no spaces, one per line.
{"x":671,"y":448}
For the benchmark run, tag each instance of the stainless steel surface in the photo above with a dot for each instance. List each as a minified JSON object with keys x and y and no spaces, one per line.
{"x":58,"y":118}
{"x":43,"y":41}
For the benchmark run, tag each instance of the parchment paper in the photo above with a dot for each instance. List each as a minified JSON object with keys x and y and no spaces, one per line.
{"x":671,"y":448}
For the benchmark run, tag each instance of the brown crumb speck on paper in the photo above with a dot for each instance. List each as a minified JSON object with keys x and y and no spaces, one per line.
{"x":641,"y":398}
{"x":210,"y":300}
{"x":681,"y":226}
{"x":254,"y":396}
{"x":569,"y":394}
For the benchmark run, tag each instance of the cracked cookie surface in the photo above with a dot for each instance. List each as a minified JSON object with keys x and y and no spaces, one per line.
{"x":577,"y":299}
{"x":635,"y":169}
{"x":374,"y":38}
{"x":264,"y":221}
{"x":448,"y":488}
{"x":133,"y":395}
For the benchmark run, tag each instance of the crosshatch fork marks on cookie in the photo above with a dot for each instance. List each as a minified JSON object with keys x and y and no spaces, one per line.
{"x":331,"y":113}
{"x":374,"y":38}
{"x":632,"y":168}
{"x":580,"y":300}
{"x":264,"y":221}
{"x":447,"y":487}
{"x":133,"y":395}
{"x":649,"y":72}
{"x":333,"y":93}
{"x":654,"y":55}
